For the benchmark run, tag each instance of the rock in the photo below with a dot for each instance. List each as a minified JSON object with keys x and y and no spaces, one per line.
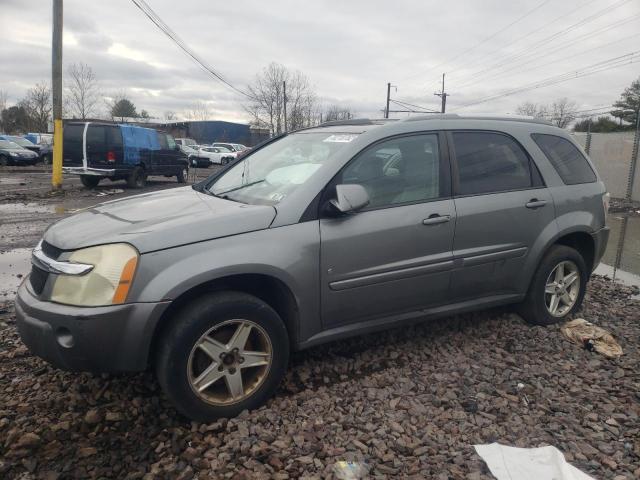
{"x":28,"y":440}
{"x":92,"y":417}
{"x":113,"y":416}
{"x":87,"y":452}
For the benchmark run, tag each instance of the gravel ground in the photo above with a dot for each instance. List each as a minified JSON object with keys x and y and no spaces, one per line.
{"x":407,"y":403}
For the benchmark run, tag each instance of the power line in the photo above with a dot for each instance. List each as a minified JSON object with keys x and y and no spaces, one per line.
{"x":532,"y":49}
{"x":523,"y":59}
{"x":519,"y":69}
{"x":527,"y":35}
{"x":490,"y":37}
{"x":608,"y":64}
{"x":158,"y":22}
{"x":411,"y":105}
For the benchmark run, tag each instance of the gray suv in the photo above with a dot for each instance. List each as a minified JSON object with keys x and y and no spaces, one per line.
{"x":317,"y":235}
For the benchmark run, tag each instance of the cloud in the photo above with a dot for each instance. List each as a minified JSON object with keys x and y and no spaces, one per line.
{"x":349,"y":50}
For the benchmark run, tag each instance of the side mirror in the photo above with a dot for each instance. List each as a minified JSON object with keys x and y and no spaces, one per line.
{"x":349,"y":199}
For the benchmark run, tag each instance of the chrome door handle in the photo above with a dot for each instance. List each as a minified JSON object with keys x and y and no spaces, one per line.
{"x":535,"y":203}
{"x":435,"y":219}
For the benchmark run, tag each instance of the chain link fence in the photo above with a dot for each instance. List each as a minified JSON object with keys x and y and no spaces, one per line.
{"x":615,"y":156}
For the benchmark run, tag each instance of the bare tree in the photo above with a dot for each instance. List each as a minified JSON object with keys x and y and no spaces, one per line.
{"x":82,"y":91}
{"x":336,"y":112}
{"x":267,"y":106}
{"x":38,"y":105}
{"x":563,"y":112}
{"x":531,"y":109}
{"x":198,"y":111}
{"x":170,"y":116}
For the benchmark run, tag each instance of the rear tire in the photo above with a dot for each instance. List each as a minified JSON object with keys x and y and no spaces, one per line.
{"x":538,"y":304}
{"x":46,"y":160}
{"x":90,"y":181}
{"x":4,"y":161}
{"x":201,"y":342}
{"x":137,"y":178}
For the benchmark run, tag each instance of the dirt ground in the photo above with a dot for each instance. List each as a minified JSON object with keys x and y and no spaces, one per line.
{"x":407,"y":403}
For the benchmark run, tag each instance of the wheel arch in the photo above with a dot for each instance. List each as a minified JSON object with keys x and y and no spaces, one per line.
{"x":270,"y":289}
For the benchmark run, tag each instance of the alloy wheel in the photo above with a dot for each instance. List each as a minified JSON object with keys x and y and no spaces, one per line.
{"x":562,"y":288}
{"x":229,"y":362}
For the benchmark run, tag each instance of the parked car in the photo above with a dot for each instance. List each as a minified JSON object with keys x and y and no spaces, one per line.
{"x":96,"y":151}
{"x":195,"y":159}
{"x":234,"y":147}
{"x":219,"y":155}
{"x":45,"y":142}
{"x":318,"y":235}
{"x":13,"y":154}
{"x":187,"y":142}
{"x":23,"y":142}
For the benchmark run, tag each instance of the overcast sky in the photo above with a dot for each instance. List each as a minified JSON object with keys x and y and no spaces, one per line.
{"x":348,"y":49}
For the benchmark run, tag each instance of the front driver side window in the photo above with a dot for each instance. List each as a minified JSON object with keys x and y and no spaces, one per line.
{"x":397,"y":171}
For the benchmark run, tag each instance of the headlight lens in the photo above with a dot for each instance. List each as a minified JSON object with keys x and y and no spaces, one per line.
{"x":13,"y":154}
{"x":107,"y":284}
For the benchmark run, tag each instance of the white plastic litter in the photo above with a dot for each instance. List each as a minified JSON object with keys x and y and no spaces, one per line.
{"x":544,"y":463}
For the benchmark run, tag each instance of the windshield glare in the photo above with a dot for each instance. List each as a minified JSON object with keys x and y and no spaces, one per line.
{"x":269,"y":175}
{"x":8,"y":144}
{"x":22,"y":141}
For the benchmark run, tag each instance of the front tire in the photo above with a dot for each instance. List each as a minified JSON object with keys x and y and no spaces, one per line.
{"x":4,"y":161}
{"x":225,"y":352}
{"x":183,"y":174}
{"x":557,"y":288}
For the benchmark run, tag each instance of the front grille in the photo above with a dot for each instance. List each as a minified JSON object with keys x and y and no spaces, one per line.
{"x":38,"y":278}
{"x":51,"y":251}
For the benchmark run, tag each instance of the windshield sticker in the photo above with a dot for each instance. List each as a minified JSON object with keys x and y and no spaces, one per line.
{"x":342,"y":138}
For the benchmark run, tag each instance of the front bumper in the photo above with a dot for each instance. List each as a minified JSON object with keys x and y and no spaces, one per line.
{"x":600,"y":239}
{"x":113,"y":338}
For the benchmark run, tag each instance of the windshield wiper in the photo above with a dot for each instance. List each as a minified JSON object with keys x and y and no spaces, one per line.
{"x":238,"y":188}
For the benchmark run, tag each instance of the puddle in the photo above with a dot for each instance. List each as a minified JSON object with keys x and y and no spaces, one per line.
{"x":14,"y":266}
{"x":17,"y":208}
{"x":13,"y":181}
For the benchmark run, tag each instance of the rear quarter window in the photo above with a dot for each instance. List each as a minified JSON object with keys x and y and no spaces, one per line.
{"x":565,"y":157}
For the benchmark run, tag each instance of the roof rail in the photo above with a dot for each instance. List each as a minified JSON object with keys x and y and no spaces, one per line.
{"x":356,"y":121}
{"x":456,"y":116}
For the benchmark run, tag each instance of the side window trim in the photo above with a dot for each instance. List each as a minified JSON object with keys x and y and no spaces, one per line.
{"x":444,"y":171}
{"x":534,"y":171}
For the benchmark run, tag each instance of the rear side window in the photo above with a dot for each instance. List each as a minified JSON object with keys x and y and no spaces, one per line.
{"x":490,"y":162}
{"x":570,"y":164}
{"x":72,"y":141}
{"x":114,"y":137}
{"x":96,"y":138}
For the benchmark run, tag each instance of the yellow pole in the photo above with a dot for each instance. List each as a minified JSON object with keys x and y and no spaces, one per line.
{"x":56,"y":175}
{"x":56,"y":90}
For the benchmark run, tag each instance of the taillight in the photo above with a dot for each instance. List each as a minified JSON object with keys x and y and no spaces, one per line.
{"x":605,"y":204}
{"x":111,"y":157}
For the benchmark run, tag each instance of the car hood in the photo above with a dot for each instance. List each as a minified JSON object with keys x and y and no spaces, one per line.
{"x":158,"y":220}
{"x":21,"y":151}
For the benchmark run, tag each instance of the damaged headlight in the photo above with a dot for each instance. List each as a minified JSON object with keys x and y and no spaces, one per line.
{"x":107,"y":283}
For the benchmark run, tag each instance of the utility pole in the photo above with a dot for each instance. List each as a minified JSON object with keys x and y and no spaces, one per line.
{"x":56,"y":86}
{"x":443,"y":95}
{"x":386,"y":110}
{"x":284,"y":101}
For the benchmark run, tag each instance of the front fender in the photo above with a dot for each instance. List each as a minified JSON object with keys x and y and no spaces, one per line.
{"x":289,"y":254}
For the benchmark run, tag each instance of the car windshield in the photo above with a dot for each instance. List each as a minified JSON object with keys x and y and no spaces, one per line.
{"x":270,"y":174}
{"x":22,"y":141}
{"x":8,"y":144}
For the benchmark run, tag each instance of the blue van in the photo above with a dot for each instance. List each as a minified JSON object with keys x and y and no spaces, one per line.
{"x":97,"y":150}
